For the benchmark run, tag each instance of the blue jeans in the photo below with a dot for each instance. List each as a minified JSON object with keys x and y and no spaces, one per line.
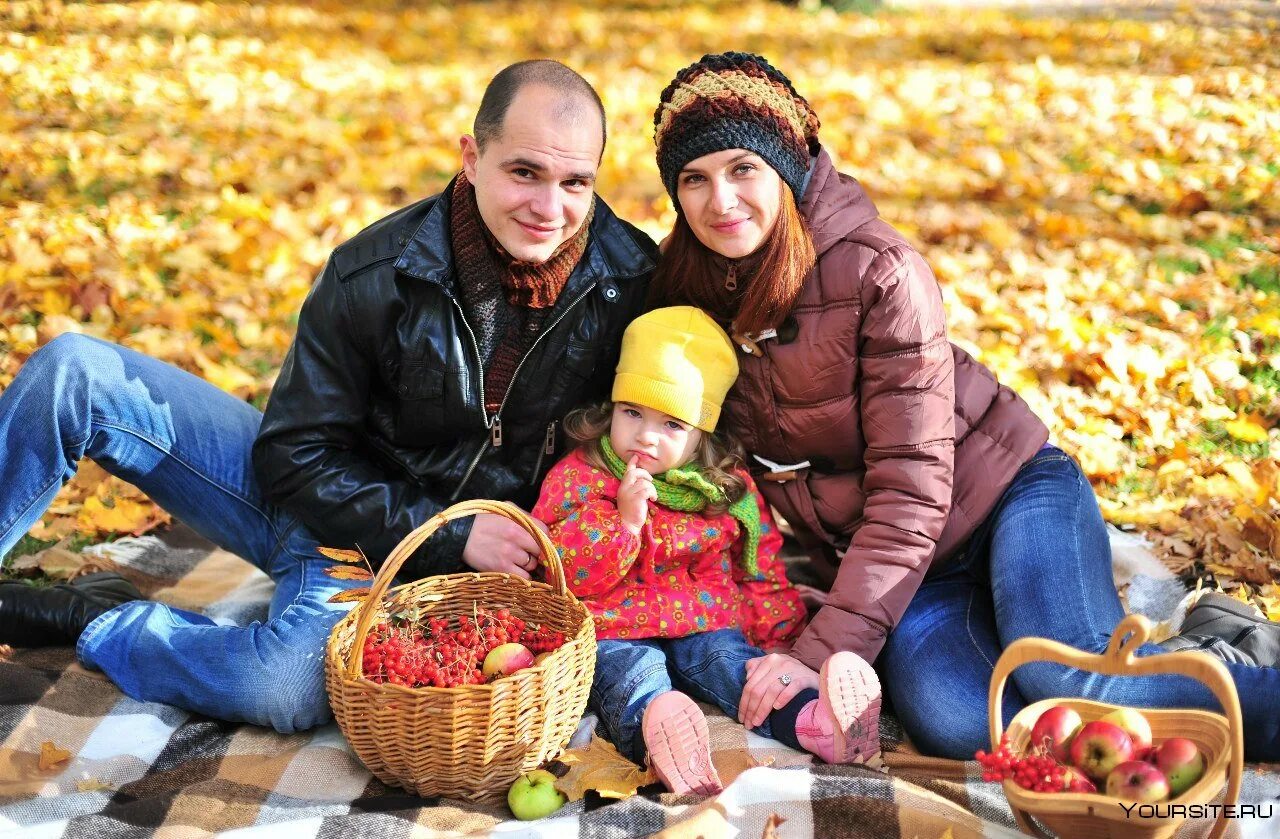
{"x":187,"y":445}
{"x":710,"y":666}
{"x":1039,"y":565}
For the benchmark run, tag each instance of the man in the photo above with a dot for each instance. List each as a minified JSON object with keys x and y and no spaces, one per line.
{"x":434,"y":357}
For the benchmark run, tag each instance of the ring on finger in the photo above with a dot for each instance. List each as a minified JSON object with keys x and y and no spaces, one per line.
{"x":785,"y":678}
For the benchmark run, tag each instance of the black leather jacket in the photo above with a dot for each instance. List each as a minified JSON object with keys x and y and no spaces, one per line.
{"x":376,"y":421}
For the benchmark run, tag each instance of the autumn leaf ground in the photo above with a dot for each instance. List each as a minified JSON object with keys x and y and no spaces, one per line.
{"x":1100,"y":199}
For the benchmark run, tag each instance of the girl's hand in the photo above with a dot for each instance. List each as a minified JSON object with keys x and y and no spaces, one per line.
{"x":634,"y":492}
{"x":765,"y":692}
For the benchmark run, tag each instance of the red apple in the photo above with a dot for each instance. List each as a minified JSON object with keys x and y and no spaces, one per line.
{"x":505,"y":659}
{"x":1073,"y":780}
{"x":1053,"y":731}
{"x":1182,"y":763}
{"x":1137,"y":780}
{"x":1134,"y":724}
{"x":1100,"y":747}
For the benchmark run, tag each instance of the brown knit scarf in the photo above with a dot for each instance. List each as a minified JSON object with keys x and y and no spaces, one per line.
{"x":506,"y":302}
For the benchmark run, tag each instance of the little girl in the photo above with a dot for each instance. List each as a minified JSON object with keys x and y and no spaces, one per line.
{"x":667,"y":541}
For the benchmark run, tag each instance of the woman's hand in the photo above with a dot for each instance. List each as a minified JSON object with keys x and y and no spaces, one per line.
{"x":634,"y":493}
{"x":765,"y":691}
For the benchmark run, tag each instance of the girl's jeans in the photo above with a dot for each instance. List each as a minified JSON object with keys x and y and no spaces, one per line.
{"x":187,"y":445}
{"x":710,"y":666}
{"x":1040,"y":565}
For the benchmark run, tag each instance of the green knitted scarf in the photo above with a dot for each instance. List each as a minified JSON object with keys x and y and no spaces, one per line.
{"x":684,"y":488}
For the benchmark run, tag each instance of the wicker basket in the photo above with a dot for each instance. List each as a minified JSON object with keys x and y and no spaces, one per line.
{"x":467,"y":742}
{"x":1070,"y":814}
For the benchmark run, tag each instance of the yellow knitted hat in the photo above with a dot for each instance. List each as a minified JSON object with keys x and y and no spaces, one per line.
{"x":679,"y":361}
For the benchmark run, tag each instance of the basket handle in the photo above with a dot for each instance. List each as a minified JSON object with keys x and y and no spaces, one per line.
{"x":409,"y":544}
{"x":1119,"y":660}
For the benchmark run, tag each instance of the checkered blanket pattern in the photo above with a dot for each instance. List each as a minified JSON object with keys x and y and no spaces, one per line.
{"x":144,"y":769}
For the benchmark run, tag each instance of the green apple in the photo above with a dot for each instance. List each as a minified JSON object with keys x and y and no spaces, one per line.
{"x":534,"y":796}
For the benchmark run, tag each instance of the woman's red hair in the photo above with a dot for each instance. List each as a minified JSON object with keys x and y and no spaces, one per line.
{"x":688,"y":273}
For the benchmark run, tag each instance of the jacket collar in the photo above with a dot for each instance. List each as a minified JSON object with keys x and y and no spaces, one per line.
{"x":834,"y":204}
{"x":612,"y":252}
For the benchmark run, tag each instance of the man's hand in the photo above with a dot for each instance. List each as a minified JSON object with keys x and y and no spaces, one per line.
{"x":497,"y":543}
{"x":764,"y":690}
{"x":634,"y":492}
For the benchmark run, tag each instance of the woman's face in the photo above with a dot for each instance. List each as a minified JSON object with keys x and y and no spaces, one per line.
{"x":731,"y":200}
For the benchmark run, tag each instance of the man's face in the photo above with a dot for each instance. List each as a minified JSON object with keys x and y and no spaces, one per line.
{"x":534,"y":182}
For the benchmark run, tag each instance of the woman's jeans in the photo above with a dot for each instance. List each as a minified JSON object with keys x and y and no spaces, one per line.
{"x":710,"y":666}
{"x":187,"y":445}
{"x":1040,"y":565}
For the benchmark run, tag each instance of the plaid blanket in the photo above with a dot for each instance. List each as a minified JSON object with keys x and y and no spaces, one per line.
{"x":139,"y":769}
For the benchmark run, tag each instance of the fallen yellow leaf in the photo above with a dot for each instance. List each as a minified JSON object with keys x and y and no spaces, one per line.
{"x":598,"y":766}
{"x":351,"y":595}
{"x":51,"y":755}
{"x":346,"y":572}
{"x":342,"y":554}
{"x":1247,"y":430}
{"x":115,"y":513}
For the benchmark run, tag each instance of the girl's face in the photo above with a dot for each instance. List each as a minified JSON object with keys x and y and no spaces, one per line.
{"x":658,"y":441}
{"x":731,"y":200}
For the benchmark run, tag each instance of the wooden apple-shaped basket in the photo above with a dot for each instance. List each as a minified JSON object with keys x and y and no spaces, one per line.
{"x":1219,"y":738}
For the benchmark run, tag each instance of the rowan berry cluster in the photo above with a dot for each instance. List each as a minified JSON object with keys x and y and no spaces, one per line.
{"x":438,"y":653}
{"x":1038,"y":772}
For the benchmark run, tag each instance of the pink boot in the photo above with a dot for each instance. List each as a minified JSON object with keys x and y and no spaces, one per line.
{"x":675,"y":734}
{"x":843,"y":724}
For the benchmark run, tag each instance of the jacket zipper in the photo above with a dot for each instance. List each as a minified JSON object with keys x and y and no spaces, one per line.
{"x":494,"y":423}
{"x":548,"y":447}
{"x":488,"y":423}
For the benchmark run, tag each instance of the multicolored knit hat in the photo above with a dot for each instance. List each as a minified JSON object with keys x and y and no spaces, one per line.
{"x":734,"y":100}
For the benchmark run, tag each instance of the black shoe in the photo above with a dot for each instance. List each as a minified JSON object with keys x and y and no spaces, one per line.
{"x":1215,"y":647}
{"x":1223,"y":616}
{"x":35,"y":616}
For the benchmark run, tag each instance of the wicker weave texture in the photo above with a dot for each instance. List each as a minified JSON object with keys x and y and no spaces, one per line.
{"x":467,"y":742}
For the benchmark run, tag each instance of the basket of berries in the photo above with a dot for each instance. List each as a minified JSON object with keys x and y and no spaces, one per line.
{"x":458,"y":684}
{"x":1084,"y":768}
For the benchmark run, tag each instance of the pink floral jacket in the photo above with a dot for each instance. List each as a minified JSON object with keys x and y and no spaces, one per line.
{"x":679,"y":576}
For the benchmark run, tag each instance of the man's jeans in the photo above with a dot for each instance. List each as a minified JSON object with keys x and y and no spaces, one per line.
{"x":710,"y":666}
{"x":187,"y":445}
{"x":1040,"y":565}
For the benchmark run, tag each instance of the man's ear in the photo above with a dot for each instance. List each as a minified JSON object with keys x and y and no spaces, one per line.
{"x":470,"y":155}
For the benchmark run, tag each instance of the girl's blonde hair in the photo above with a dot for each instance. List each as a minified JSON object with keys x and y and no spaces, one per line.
{"x":719,"y":456}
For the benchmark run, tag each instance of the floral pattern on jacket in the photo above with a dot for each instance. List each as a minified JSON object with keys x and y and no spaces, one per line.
{"x":679,"y":576}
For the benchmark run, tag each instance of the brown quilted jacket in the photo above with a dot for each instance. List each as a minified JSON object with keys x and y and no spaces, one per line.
{"x":871,"y":393}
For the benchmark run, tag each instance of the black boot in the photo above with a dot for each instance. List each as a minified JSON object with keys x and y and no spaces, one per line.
{"x":1215,"y":647}
{"x":34,"y":616}
{"x":1222,"y":616}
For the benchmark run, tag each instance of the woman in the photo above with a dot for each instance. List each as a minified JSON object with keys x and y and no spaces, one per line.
{"x":946,"y":523}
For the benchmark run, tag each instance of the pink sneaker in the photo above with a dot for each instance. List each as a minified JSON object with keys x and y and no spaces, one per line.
{"x":675,"y":734}
{"x":843,"y":724}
